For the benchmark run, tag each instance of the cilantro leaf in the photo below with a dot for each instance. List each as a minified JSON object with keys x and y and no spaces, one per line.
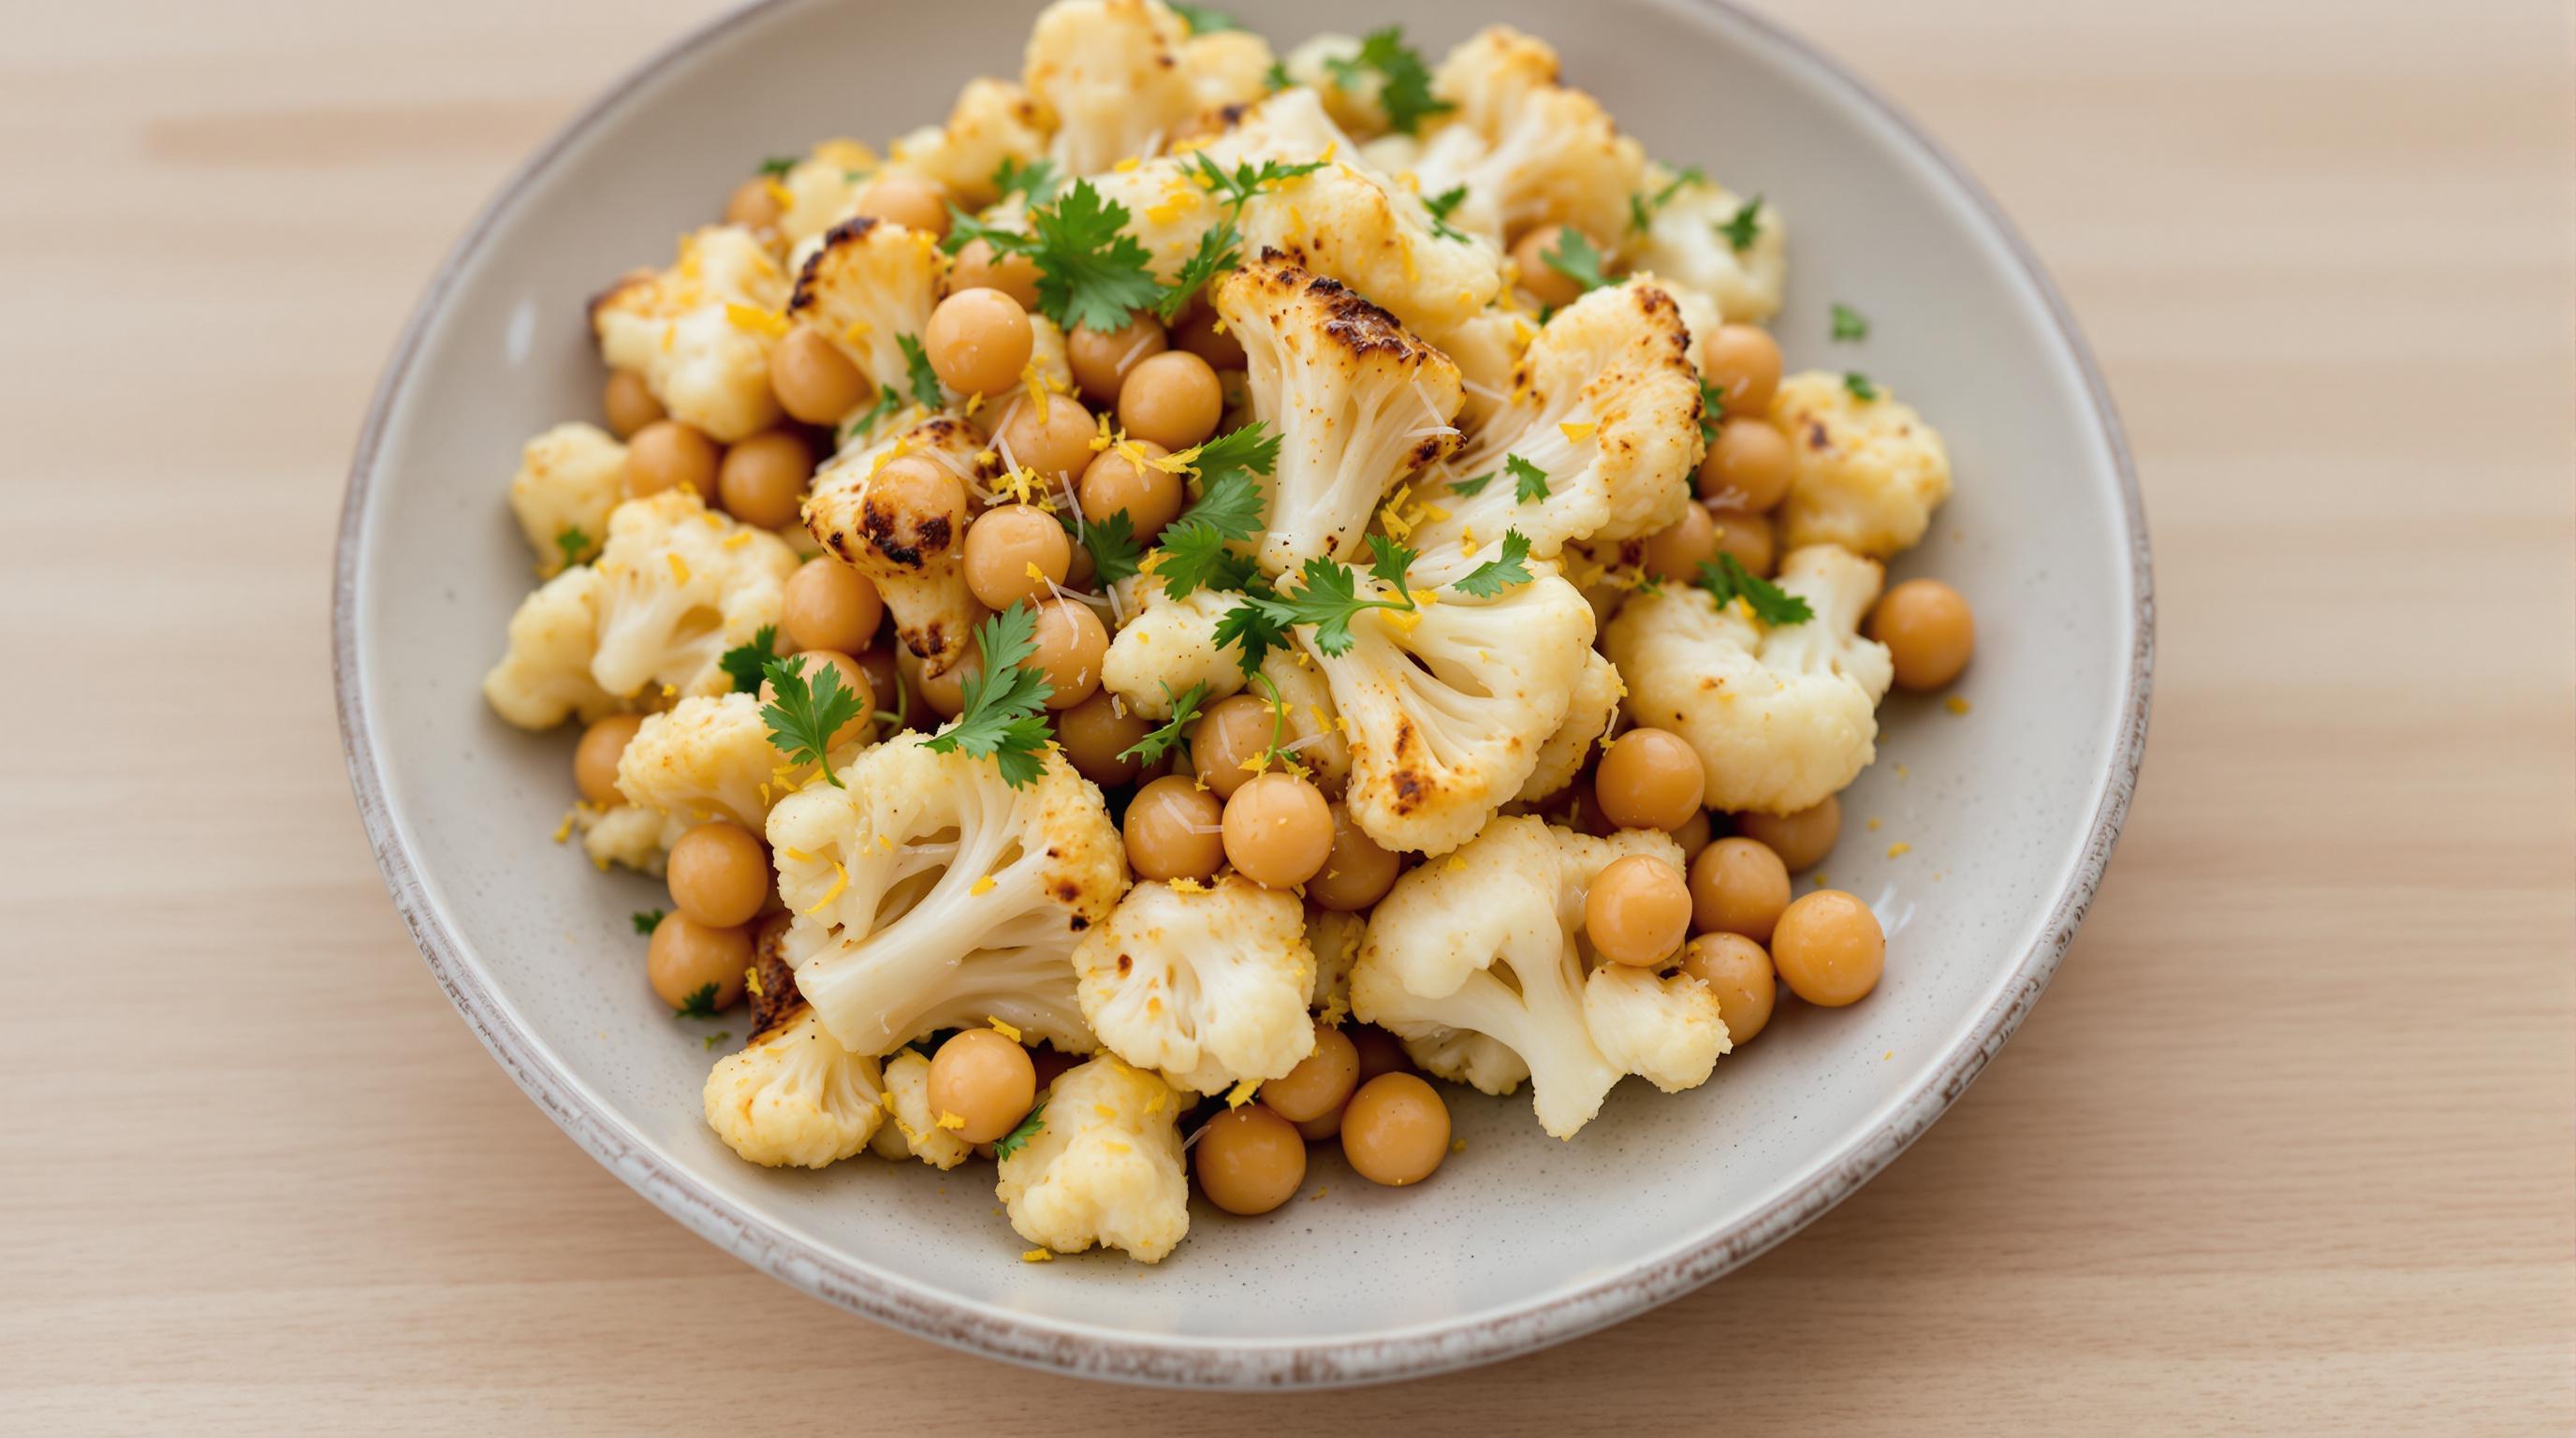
{"x":1276,"y":77}
{"x":1529,"y":482}
{"x":1037,"y":180}
{"x":1330,"y":598}
{"x":1642,"y":208}
{"x":1859,"y":385}
{"x":1254,"y":627}
{"x":1004,"y":713}
{"x":777,"y":166}
{"x":745,"y":661}
{"x":1404,"y":82}
{"x":1712,"y":410}
{"x":1727,"y":581}
{"x":1246,"y":452}
{"x":1012,"y":1142}
{"x":1229,"y":508}
{"x":645,"y":920}
{"x":810,"y":706}
{"x":1201,"y":20}
{"x":1473,"y":487}
{"x":1162,"y":739}
{"x":1494,"y":576}
{"x":1090,"y":271}
{"x":964,"y":229}
{"x":1741,"y":227}
{"x":1389,"y":559}
{"x":573,"y":543}
{"x":700,"y":1004}
{"x":1218,"y":252}
{"x":1849,"y":323}
{"x":1441,"y":206}
{"x":1574,"y":258}
{"x":925,"y":380}
{"x":1111,"y":542}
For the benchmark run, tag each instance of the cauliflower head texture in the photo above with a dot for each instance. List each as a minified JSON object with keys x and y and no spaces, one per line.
{"x":915,"y":555}
{"x":910,"y":1121}
{"x":1109,"y":72}
{"x":679,"y":585}
{"x":710,"y":757}
{"x":1868,"y":472}
{"x":1594,"y":702}
{"x":1688,"y":241}
{"x":992,"y":121}
{"x":1167,"y":646}
{"x":1103,"y":1168}
{"x":569,"y":478}
{"x":544,"y":675}
{"x":818,"y":191}
{"x":867,"y":284}
{"x":699,"y":332}
{"x":794,"y":1097}
{"x":1206,"y":983}
{"x":1528,"y":150}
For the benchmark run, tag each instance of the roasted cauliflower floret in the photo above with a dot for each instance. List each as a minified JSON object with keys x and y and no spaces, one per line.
{"x":1528,"y":150}
{"x":930,"y":894}
{"x":1324,"y":65}
{"x":1167,"y":646}
{"x":1782,"y":717}
{"x":1357,"y":401}
{"x":1168,"y":210}
{"x":545,"y":673}
{"x":794,"y":1097}
{"x":627,"y":836}
{"x":1869,"y":472}
{"x":1448,"y":706}
{"x":1104,"y":1166}
{"x":569,"y":478}
{"x":1227,"y":67}
{"x":1597,"y":692}
{"x":1305,"y":709}
{"x":1110,"y":73}
{"x":818,"y":191}
{"x":992,"y":121}
{"x":1334,"y":938}
{"x":679,"y":585}
{"x":1477,"y":964}
{"x":1687,"y":241}
{"x":709,"y":757}
{"x":911,"y":1125}
{"x":865,"y":284}
{"x":880,"y":507}
{"x":699,"y":332}
{"x":1207,"y":984}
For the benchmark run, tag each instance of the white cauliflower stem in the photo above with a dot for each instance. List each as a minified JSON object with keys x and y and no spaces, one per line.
{"x":1206,"y":984}
{"x":1103,"y":1168}
{"x":679,"y":585}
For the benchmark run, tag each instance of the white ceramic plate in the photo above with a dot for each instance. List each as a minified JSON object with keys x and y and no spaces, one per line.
{"x":1521,"y":1240}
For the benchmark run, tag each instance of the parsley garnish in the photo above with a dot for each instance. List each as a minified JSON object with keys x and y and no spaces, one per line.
{"x":1712,"y":410}
{"x":1111,"y":542}
{"x":887,"y":403}
{"x":1473,"y":487}
{"x":645,"y":920}
{"x":1037,"y":180}
{"x":1276,"y":77}
{"x":1574,"y":258}
{"x":964,"y":229}
{"x":1220,"y":248}
{"x":809,"y":707}
{"x":1012,"y":1142}
{"x":1161,"y":740}
{"x":1727,"y":581}
{"x":777,"y":166}
{"x":1496,"y":575}
{"x":1245,"y":180}
{"x":1849,"y":323}
{"x":1642,"y":208}
{"x":1330,"y":599}
{"x":745,"y":662}
{"x":700,"y":1004}
{"x":1529,"y":482}
{"x":1441,"y":206}
{"x":1860,"y":386}
{"x":1004,"y":715}
{"x":713,"y":1039}
{"x":1404,"y":82}
{"x":924,"y":379}
{"x":1193,"y":552}
{"x":1253,"y":627}
{"x":1743,"y":225}
{"x":1248,"y":452}
{"x":1203,"y":21}
{"x":573,"y":543}
{"x":1091,"y":272}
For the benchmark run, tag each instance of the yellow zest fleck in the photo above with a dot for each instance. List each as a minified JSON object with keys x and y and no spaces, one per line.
{"x":1154,"y":1004}
{"x":1111,"y":1145}
{"x":1155,"y":1104}
{"x":1426,"y":596}
{"x":1891,"y":1053}
{"x":1457,"y":1145}
{"x":1457,"y":865}
{"x":1899,"y":849}
{"x":1038,"y":1255}
{"x":1035,"y":384}
{"x":1128,"y":166}
{"x":887,"y":1100}
{"x":974,"y":402}
{"x":778,"y":193}
{"x":1955,"y":704}
{"x":855,"y":333}
{"x":1241,"y":1093}
{"x":796,"y":855}
{"x":751,"y":981}
{"x":1903,"y":772}
{"x":1218,"y":327}
{"x":667,"y":691}
{"x":951,"y":1120}
{"x":1397,"y":526}
{"x":1103,"y":1110}
{"x":1577,"y":433}
{"x":1036,"y":573}
{"x":737,"y":539}
{"x":1436,"y":513}
{"x":983,"y":885}
{"x":1873,"y":825}
{"x":670,"y":333}
{"x":752,"y":319}
{"x":599,"y":862}
{"x":1185,"y":884}
{"x":1467,"y":541}
{"x":840,"y":881}
{"x":1329,"y":147}
{"x":1005,"y":1030}
{"x":889,"y":455}
{"x":563,"y":830}
{"x":1821,"y":880}
{"x":711,"y":519}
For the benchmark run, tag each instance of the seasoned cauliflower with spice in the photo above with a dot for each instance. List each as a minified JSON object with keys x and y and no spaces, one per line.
{"x":1167,"y":647}
{"x":794,"y":1097}
{"x":911,"y":1124}
{"x":868,"y":285}
{"x":1206,"y":983}
{"x":896,"y":510}
{"x":1527,"y":150}
{"x":993,"y":122}
{"x":1110,"y":73}
{"x":544,"y":677}
{"x":1691,"y":239}
{"x":1103,"y":1168}
{"x":569,"y":478}
{"x":710,"y":757}
{"x":1869,"y":472}
{"x":699,"y":332}
{"x":679,"y":585}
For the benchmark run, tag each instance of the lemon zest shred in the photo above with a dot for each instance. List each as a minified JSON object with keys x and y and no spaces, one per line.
{"x":951,"y":1120}
{"x":1577,"y":433}
{"x":1899,"y":849}
{"x":753,"y":319}
{"x":1038,"y":1255}
{"x":840,"y":881}
{"x":1955,"y":704}
{"x":1241,"y":1094}
{"x":983,"y":885}
{"x":1005,"y":1030}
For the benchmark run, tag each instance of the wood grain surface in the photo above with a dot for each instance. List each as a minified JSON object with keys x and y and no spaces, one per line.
{"x":2286,"y":1148}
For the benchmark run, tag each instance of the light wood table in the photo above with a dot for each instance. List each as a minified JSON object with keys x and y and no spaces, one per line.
{"x":2287,"y":1147}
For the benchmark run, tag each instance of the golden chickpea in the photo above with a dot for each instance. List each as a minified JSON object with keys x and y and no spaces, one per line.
{"x":1829,"y":948}
{"x":1057,"y":444}
{"x":1638,"y":910}
{"x":923,"y":504}
{"x":719,"y":874}
{"x":1151,"y":498}
{"x":1228,"y":736}
{"x":1172,"y":398}
{"x":978,"y":268}
{"x":686,"y":956}
{"x":1395,"y":1130}
{"x":594,"y":760}
{"x":1357,"y":872}
{"x":1748,"y":468}
{"x":808,"y":665}
{"x":1744,"y":362}
{"x":885,"y":681}
{"x":1175,"y":830}
{"x":1321,"y":1082}
{"x":1096,"y":733}
{"x":909,"y":201}
{"x":1249,"y":1160}
{"x":629,"y":403}
{"x":1201,"y":333}
{"x":813,"y":380}
{"x":667,"y":454}
{"x":1928,"y":630}
{"x":1101,"y":359}
{"x":1739,"y":973}
{"x":1738,"y":886}
{"x":1545,"y":284}
{"x":985,"y":1079}
{"x":1006,"y":543}
{"x":831,"y":605}
{"x":978,"y":341}
{"x":1676,"y":552}
{"x":1380,"y":1052}
{"x":943,"y":693}
{"x":1278,"y":830}
{"x":1693,"y":836}
{"x":1649,"y":779}
{"x":751,"y":205}
{"x":1747,"y":537}
{"x":762,"y":480}
{"x":1071,"y":642}
{"x":1802,"y":839}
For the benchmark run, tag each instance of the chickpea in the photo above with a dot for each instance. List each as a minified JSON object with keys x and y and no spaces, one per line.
{"x":685,"y":956}
{"x":813,"y":380}
{"x":1250,"y":1160}
{"x":831,"y":605}
{"x":1327,"y":1124}
{"x":1677,"y":551}
{"x":1229,"y":733}
{"x":629,"y":403}
{"x":1199,"y":332}
{"x":1747,"y":537}
{"x":1096,"y":733}
{"x":985,"y":1079}
{"x":914,"y":203}
{"x":1071,"y":643}
{"x":1928,"y":631}
{"x":1829,"y":948}
{"x":1544,"y":283}
{"x":1150,"y":497}
{"x":762,"y":480}
{"x":978,"y":268}
{"x":1357,"y":872}
{"x":1395,"y":1130}
{"x":1101,"y":359}
{"x":1057,"y":444}
{"x":1738,"y":886}
{"x":1693,"y":836}
{"x":667,"y":454}
{"x":719,"y":874}
{"x":1278,"y":830}
{"x":1638,"y":911}
{"x":1079,"y":573}
{"x":1739,"y":973}
{"x":1321,"y":1082}
{"x":1744,"y":362}
{"x":1174,"y":830}
{"x":1380,"y":1052}
{"x":978,"y":341}
{"x":1172,"y":398}
{"x":752,"y":206}
{"x":1649,"y":779}
{"x":808,"y":664}
{"x":1748,"y":467}
{"x":594,"y":760}
{"x":1802,"y":839}
{"x":1008,"y":541}
{"x":943,"y":693}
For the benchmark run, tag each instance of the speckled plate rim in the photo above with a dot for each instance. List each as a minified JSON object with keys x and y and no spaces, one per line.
{"x":1177,"y":1359}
